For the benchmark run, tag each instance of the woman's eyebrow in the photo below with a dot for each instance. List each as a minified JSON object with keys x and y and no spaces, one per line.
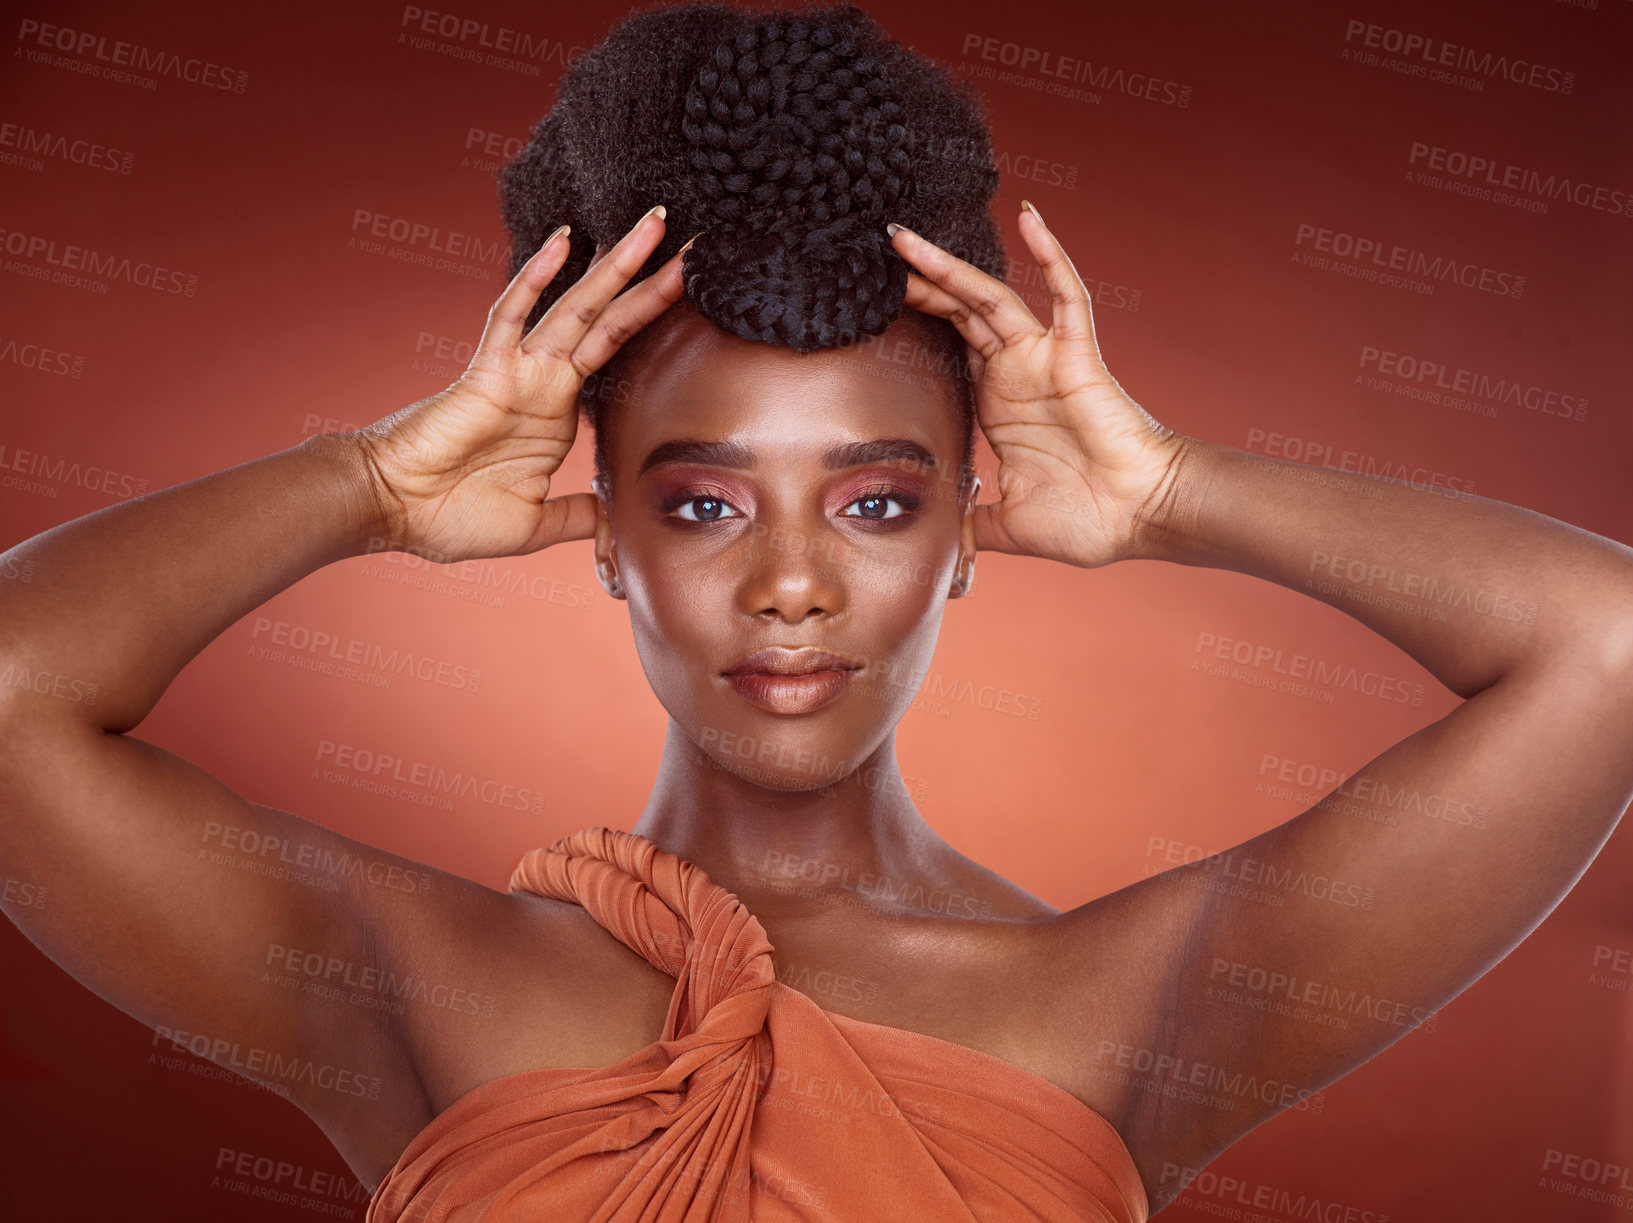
{"x":737,"y":455}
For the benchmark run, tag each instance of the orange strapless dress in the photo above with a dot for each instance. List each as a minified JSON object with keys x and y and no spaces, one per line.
{"x":755,"y":1103}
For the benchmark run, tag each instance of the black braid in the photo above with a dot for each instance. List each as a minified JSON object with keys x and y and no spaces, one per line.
{"x":789,"y":137}
{"x":801,"y":156}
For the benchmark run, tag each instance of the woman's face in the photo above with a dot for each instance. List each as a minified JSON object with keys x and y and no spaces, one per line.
{"x":764,"y":498}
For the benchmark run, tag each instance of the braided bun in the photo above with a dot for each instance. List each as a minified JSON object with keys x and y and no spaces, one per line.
{"x":801,"y":156}
{"x":789,"y":137}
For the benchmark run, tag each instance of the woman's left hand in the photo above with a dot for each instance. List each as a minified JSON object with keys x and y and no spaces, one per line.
{"x":1081,"y":465}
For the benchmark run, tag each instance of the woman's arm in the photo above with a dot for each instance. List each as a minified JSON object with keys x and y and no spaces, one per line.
{"x":1216,"y":994}
{"x":142,"y":856}
{"x":124,"y":597}
{"x":204,"y":915}
{"x":1313,"y":946}
{"x":1475,"y":590}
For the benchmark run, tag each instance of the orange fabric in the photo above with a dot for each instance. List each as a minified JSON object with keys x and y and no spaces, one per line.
{"x":755,"y":1103}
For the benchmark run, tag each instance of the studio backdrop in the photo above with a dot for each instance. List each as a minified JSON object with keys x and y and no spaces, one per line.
{"x":1381,"y":237}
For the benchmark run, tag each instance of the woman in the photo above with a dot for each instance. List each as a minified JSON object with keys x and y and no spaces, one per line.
{"x":644,"y":1054}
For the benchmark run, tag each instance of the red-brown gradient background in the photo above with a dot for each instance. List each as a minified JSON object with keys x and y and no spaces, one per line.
{"x":1196,"y":207}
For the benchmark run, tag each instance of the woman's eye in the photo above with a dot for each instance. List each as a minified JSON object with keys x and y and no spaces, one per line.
{"x":715,"y":509}
{"x":876,"y":505}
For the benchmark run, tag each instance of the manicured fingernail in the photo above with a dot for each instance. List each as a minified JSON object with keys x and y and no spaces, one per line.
{"x":656,"y":210}
{"x":1032,"y":208}
{"x":689,"y":242}
{"x":554,"y":234}
{"x":892,"y":227}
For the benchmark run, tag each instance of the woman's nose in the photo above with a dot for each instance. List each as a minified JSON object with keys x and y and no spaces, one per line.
{"x":793,"y":571}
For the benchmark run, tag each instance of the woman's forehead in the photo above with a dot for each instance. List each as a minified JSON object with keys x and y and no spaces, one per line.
{"x":696,"y":372}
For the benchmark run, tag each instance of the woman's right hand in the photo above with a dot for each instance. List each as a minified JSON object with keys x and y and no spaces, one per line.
{"x":465,"y":473}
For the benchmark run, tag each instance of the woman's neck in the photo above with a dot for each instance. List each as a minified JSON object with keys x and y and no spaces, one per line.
{"x":791,"y":849}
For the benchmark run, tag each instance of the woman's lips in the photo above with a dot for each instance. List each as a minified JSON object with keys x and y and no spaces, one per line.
{"x":790,"y":693}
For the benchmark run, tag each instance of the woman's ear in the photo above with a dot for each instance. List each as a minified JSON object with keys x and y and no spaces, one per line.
{"x":964,"y":568}
{"x":606,"y":552}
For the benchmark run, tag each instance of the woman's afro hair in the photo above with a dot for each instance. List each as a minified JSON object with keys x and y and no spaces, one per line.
{"x":788,"y":137}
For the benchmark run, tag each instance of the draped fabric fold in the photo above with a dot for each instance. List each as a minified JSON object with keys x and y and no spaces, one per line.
{"x":754,"y":1103}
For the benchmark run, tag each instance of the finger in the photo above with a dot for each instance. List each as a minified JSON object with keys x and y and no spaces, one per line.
{"x":629,"y":312}
{"x":510,"y":311}
{"x":571,"y":315}
{"x":990,"y":535}
{"x":568,"y":517}
{"x":976,"y":364}
{"x":930,"y":298}
{"x":1073,"y":317}
{"x":992,"y":299}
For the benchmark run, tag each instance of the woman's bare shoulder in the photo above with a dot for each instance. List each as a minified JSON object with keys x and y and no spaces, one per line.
{"x":508,"y":981}
{"x":477,"y":984}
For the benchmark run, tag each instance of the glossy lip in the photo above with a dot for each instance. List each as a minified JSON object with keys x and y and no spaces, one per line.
{"x":790,"y":694}
{"x":786,"y":660}
{"x":786,"y":680}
